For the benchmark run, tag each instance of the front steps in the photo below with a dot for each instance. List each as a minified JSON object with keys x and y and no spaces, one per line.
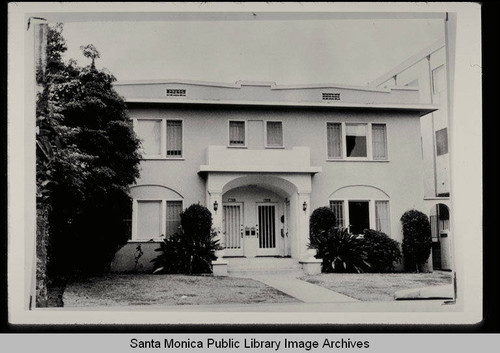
{"x":247,"y":267}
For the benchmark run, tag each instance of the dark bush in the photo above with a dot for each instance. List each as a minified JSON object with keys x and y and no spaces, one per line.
{"x":417,"y":239}
{"x":197,"y":220}
{"x":383,"y":253}
{"x":321,"y":221}
{"x":341,"y":251}
{"x":191,"y":250}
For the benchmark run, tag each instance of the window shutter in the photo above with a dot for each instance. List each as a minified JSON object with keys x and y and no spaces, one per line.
{"x":382,"y":218}
{"x":174,"y":138}
{"x":274,"y":133}
{"x":379,"y":137}
{"x":334,"y":140}
{"x":237,"y":133}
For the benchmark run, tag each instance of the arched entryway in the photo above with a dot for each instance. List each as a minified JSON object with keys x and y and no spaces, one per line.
{"x":261,"y":215}
{"x":255,"y":222}
{"x":439,"y":217}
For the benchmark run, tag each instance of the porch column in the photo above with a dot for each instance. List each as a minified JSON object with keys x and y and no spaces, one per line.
{"x":303,"y":224}
{"x":216,"y":197}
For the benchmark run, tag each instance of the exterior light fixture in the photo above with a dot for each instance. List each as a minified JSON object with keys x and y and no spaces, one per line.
{"x":304,"y":206}
{"x":216,"y":205}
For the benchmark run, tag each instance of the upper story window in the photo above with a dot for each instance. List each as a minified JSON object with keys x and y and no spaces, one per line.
{"x":356,"y":141}
{"x":237,"y":134}
{"x":175,"y":92}
{"x":442,"y":142}
{"x":379,"y":141}
{"x":161,"y":138}
{"x":274,"y":134}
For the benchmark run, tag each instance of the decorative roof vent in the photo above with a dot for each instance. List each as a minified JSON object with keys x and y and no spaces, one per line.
{"x":331,"y":96}
{"x":176,"y":92}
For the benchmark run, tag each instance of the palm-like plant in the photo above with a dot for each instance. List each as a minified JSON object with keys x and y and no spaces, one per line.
{"x":183,"y":253}
{"x":341,"y":251}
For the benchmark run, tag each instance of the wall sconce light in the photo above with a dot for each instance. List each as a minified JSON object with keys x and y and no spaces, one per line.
{"x":216,"y":205}
{"x":304,"y":206}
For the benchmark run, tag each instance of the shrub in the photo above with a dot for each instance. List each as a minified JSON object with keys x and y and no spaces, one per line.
{"x":321,"y":221}
{"x":197,"y":220}
{"x":417,"y":239}
{"x":341,"y":251}
{"x":191,"y":250}
{"x":382,"y":251}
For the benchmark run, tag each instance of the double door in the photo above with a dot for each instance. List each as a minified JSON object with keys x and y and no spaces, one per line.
{"x":260,"y":226}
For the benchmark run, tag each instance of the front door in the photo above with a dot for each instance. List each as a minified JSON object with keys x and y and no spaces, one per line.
{"x":268,"y":235}
{"x":232,"y":220}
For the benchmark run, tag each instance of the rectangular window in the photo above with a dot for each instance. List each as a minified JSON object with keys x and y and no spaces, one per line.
{"x":173,"y":219}
{"x":274,"y":134}
{"x":149,"y":220}
{"x":338,"y":210}
{"x":359,"y":216}
{"x":382,"y":218}
{"x":334,"y":140}
{"x":149,"y":132}
{"x":442,"y":141}
{"x":174,"y":138}
{"x":379,"y":141}
{"x":356,"y":140}
{"x":237,"y":133}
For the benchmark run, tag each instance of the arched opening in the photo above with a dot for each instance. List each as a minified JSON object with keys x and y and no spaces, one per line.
{"x":256,"y":216}
{"x":440,"y":229}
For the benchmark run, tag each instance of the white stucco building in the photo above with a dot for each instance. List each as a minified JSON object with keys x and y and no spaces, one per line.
{"x":262,"y":156}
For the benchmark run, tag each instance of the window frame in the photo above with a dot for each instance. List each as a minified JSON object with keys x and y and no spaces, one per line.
{"x":372,"y":222}
{"x":163,"y":138}
{"x":282,"y":134}
{"x":163,"y":220}
{"x":369,"y":142}
{"x":229,"y":133}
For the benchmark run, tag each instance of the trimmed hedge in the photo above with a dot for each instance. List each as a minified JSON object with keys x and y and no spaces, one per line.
{"x":321,"y":221}
{"x":383,"y":252}
{"x":417,"y":239}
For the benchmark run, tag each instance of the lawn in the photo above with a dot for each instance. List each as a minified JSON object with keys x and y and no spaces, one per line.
{"x":145,"y":289}
{"x":377,"y":286}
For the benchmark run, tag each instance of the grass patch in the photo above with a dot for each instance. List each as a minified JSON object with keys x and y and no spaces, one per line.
{"x":377,"y":286}
{"x":146,"y":289}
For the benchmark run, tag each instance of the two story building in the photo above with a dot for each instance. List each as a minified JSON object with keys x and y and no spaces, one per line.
{"x":261,"y":157}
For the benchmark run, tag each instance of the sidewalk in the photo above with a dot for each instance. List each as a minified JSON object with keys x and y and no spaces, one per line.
{"x":301,"y":290}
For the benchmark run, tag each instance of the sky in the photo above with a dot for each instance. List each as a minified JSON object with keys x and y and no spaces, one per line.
{"x":351,"y":52}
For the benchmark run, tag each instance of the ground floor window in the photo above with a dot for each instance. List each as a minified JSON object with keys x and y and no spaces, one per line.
{"x":358,"y":215}
{"x":153,"y":219}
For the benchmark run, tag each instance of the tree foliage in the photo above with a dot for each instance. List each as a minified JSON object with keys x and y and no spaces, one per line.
{"x":417,"y":239}
{"x":87,"y":156}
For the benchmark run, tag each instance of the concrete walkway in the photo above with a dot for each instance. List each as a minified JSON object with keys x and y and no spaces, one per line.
{"x":301,"y":290}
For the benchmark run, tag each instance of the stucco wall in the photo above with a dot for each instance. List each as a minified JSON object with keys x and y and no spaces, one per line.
{"x":400,"y":177}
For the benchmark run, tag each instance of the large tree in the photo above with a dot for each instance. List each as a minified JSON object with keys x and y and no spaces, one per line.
{"x":87,"y":157}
